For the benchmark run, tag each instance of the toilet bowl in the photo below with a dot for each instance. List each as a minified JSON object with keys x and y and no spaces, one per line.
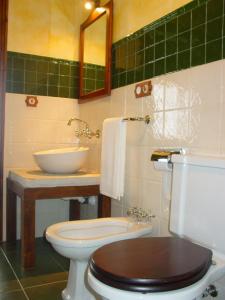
{"x":141,"y":279}
{"x":181,"y":267}
{"x":77,"y":240}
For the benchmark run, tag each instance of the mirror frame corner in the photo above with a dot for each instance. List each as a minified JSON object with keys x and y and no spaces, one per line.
{"x":94,"y":16}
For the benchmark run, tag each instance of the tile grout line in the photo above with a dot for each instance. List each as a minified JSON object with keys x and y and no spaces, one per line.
{"x":45,"y":284}
{"x":22,"y":288}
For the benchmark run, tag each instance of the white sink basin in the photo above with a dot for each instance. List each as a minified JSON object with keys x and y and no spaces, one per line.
{"x":61,"y":161}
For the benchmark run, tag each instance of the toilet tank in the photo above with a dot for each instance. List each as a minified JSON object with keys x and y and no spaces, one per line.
{"x":198,"y":200}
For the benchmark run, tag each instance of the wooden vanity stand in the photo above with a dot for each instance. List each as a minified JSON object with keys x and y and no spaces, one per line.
{"x":29,"y":195}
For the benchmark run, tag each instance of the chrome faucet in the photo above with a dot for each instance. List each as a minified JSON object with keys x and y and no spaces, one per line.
{"x":139,"y":214}
{"x":86,"y":132}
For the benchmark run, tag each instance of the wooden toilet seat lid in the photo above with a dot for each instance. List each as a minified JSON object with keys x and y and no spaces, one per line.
{"x":150,"y":264}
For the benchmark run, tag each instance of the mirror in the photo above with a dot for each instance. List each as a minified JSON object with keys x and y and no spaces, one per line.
{"x":95,"y":54}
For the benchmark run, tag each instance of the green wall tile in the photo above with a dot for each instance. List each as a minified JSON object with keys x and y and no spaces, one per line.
{"x":171,"y":63}
{"x":183,"y":60}
{"x":74,"y":71}
{"x":9,"y":87}
{"x":159,"y":67}
{"x":139,"y":43}
{"x":64,"y":80}
{"x":122,"y":79}
{"x":53,"y":67}
{"x":149,"y":54}
{"x":160,"y":33}
{"x":184,"y":22}
{"x":18,"y":87}
{"x":64,"y":69}
{"x":130,"y":47}
{"x":18,"y":75}
{"x":149,"y":38}
{"x":139,"y":61}
{"x":214,"y":9}
{"x":9,"y":61}
{"x":100,"y":84}
{"x":171,"y":28}
{"x":30,"y":76}
{"x":130,"y":77}
{"x":214,"y":51}
{"x":171,"y":46}
{"x":198,"y":35}
{"x":64,"y":92}
{"x":159,"y":50}
{"x":53,"y":91}
{"x":18,"y":63}
{"x":199,"y":15}
{"x":42,"y":66}
{"x":198,"y":55}
{"x":30,"y":88}
{"x":149,"y":71}
{"x":214,"y":29}
{"x":139,"y":74}
{"x":130,"y":62}
{"x":41,"y":89}
{"x":115,"y":81}
{"x":176,"y":41}
{"x":30,"y":65}
{"x":184,"y":41}
{"x":73,"y":93}
{"x":223,"y":47}
{"x":53,"y":79}
{"x":42,"y":78}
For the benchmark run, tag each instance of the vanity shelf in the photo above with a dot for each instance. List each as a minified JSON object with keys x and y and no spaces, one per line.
{"x":36,"y":185}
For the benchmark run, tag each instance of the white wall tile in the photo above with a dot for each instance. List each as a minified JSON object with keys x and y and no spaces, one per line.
{"x":30,"y":129}
{"x":187,"y":109}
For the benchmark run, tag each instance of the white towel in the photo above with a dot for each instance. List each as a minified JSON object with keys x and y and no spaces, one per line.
{"x":113,"y":158}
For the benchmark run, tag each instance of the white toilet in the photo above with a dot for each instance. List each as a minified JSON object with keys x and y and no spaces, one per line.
{"x":77,"y":240}
{"x":180,"y":267}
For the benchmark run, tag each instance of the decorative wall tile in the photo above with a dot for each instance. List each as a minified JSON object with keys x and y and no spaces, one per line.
{"x":190,"y":36}
{"x":39,"y":75}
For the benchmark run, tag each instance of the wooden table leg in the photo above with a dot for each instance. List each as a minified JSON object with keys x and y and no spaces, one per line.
{"x":74,"y":210}
{"x":10,"y":214}
{"x":104,"y":206}
{"x":27,"y":232}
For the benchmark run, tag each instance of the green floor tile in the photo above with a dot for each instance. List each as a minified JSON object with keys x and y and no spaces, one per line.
{"x":8,"y":281}
{"x":16,"y":295}
{"x":47,"y":269}
{"x":46,"y":292}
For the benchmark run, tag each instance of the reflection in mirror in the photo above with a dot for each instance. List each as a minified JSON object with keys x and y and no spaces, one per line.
{"x":95,"y":54}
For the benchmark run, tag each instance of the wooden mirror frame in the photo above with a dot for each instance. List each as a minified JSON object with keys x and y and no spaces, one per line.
{"x":94,"y":16}
{"x":3,"y":54}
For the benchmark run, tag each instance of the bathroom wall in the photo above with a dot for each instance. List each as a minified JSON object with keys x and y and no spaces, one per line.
{"x":131,"y":15}
{"x":48,"y":28}
{"x":47,"y":32}
{"x":30,"y":129}
{"x":187,"y":104}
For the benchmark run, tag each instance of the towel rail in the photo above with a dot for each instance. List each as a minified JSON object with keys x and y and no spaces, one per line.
{"x":146,"y":119}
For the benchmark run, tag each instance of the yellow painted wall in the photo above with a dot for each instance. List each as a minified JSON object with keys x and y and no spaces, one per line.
{"x":51,"y":27}
{"x":131,"y":15}
{"x":45,"y":27}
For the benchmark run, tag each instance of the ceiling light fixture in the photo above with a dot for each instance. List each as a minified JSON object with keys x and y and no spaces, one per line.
{"x":92,"y":4}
